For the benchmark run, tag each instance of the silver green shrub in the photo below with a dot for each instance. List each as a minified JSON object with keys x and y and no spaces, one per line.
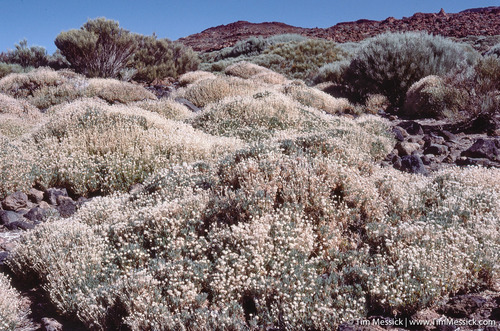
{"x":390,"y":63}
{"x":101,"y":48}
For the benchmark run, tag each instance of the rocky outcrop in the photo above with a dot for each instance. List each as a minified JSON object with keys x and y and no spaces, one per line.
{"x":429,"y":145}
{"x":478,"y":22}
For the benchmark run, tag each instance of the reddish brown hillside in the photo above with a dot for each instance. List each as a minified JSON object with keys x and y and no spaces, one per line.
{"x":473,"y":22}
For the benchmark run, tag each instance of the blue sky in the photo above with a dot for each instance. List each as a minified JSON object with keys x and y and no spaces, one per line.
{"x":40,"y":21}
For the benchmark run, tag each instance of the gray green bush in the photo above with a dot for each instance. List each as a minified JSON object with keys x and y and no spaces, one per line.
{"x":100,"y":48}
{"x":390,"y":63}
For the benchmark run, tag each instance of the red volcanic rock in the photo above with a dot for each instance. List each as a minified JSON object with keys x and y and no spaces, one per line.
{"x":472,"y":22}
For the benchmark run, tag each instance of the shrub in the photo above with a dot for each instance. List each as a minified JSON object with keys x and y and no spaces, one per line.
{"x":207,"y":91}
{"x":7,"y":68}
{"x":315,"y":98}
{"x":247,"y":70}
{"x":44,"y":87}
{"x":13,"y":311}
{"x":479,"y":88}
{"x":332,"y":72}
{"x":495,"y":50}
{"x":157,"y":59}
{"x":17,"y":116}
{"x":390,"y":63}
{"x":168,"y":108}
{"x":99,"y":49}
{"x":114,"y":91}
{"x":194,"y":76}
{"x":430,"y":97}
{"x":90,"y":147}
{"x":17,"y":166}
{"x":34,"y":56}
{"x":302,"y":59}
{"x":270,"y":236}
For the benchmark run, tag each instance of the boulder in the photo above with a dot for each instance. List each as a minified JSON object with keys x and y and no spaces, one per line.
{"x":65,"y":206}
{"x":436,"y":149}
{"x":35,"y":196}
{"x":36,"y":214}
{"x":484,"y":148}
{"x":412,"y":127}
{"x":406,"y":148}
{"x":14,"y":221}
{"x":413,"y":164}
{"x":15,"y":201}
{"x":50,"y":324}
{"x":51,"y":195}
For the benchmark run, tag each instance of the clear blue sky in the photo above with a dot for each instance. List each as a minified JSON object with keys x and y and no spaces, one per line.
{"x":40,"y":21}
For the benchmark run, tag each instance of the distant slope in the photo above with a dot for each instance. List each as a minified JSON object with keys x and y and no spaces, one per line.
{"x":471,"y":22}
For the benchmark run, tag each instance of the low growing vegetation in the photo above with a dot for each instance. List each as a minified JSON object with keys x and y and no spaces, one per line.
{"x":264,"y":209}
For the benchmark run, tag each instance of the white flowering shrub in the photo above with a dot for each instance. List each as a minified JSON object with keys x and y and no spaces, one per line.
{"x":261,"y":211}
{"x":205,"y":91}
{"x":13,"y":311}
{"x":312,"y":97}
{"x":194,"y":76}
{"x":115,"y":91}
{"x":169,"y":108}
{"x":44,"y":87}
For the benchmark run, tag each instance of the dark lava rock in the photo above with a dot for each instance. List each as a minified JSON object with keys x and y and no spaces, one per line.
{"x":51,"y":195}
{"x":3,"y":256}
{"x":436,"y":149}
{"x":399,"y":133}
{"x":463,"y":306}
{"x":14,"y":221}
{"x":484,"y":148}
{"x":15,"y":201}
{"x":66,"y":206}
{"x":188,"y":104}
{"x":36,"y":214}
{"x":412,"y":127}
{"x":413,"y":164}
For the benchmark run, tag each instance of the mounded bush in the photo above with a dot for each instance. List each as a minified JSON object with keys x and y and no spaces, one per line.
{"x":390,"y":63}
{"x":271,"y":236}
{"x":44,"y":87}
{"x":206,"y":91}
{"x":430,"y":97}
{"x":248,"y":70}
{"x":115,"y":91}
{"x":90,"y":147}
{"x":194,"y":76}
{"x":168,"y":108}
{"x":312,"y":97}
